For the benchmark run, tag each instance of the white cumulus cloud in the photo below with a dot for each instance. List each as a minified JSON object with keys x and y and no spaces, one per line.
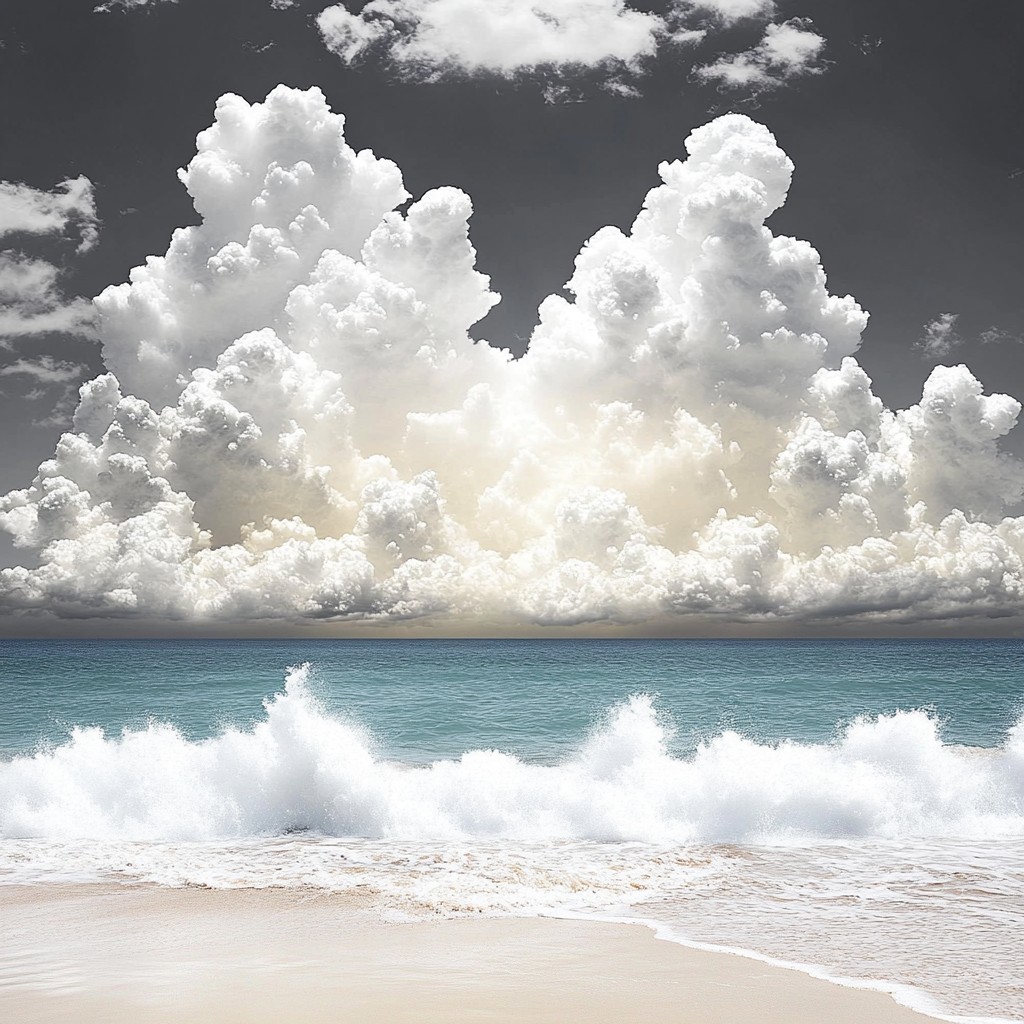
{"x":731,"y":10}
{"x":786,"y":51}
{"x":502,"y":36}
{"x":296,"y":424}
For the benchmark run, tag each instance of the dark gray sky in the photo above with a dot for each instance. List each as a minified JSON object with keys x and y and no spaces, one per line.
{"x":909,"y":152}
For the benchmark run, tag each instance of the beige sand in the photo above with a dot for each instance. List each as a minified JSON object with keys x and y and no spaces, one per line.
{"x":140,"y":955}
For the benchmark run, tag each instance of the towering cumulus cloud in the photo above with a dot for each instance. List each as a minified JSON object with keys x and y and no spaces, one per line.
{"x":296,"y":423}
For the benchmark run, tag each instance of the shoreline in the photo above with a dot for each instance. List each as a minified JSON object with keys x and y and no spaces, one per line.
{"x":98,"y":952}
{"x":909,"y":997}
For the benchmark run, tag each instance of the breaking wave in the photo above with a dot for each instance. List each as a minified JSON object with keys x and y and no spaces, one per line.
{"x":301,"y":769}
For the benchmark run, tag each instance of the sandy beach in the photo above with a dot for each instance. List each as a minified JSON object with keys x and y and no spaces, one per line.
{"x":95,"y":953}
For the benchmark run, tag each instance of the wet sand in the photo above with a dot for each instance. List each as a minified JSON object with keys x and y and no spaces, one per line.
{"x":149,"y":955}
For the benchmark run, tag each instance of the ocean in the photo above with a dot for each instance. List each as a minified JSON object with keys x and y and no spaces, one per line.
{"x":852,"y":807}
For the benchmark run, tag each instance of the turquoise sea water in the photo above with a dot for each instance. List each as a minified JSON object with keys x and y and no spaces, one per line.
{"x":853,"y":806}
{"x":437,"y":698}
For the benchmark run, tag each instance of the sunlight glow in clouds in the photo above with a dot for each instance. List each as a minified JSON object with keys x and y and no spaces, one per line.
{"x":297,"y":425}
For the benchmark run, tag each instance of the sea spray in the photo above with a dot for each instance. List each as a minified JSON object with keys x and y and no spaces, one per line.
{"x":301,"y":769}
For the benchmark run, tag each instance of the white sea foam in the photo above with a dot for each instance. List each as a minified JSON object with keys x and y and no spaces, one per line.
{"x":301,"y":769}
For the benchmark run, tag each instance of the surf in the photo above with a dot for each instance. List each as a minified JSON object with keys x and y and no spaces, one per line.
{"x":299,"y":768}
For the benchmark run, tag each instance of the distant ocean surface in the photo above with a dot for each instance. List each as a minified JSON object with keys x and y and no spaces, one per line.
{"x":856,"y":807}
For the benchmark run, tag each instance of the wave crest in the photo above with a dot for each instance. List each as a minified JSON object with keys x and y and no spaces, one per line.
{"x":300,"y":768}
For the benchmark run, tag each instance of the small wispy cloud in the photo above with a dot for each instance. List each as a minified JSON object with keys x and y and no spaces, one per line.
{"x":998,"y":336}
{"x":868,"y":45}
{"x":32,"y":301}
{"x":127,"y":5}
{"x":786,"y":51}
{"x":71,"y":206}
{"x":45,"y":370}
{"x":44,"y":378}
{"x":940,"y":336}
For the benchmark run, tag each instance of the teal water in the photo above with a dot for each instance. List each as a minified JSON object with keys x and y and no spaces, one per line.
{"x":437,"y":698}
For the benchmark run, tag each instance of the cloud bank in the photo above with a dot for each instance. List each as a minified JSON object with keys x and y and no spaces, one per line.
{"x":297,"y":425}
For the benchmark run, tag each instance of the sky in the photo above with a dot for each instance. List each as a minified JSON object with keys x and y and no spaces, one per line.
{"x":400,"y":475}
